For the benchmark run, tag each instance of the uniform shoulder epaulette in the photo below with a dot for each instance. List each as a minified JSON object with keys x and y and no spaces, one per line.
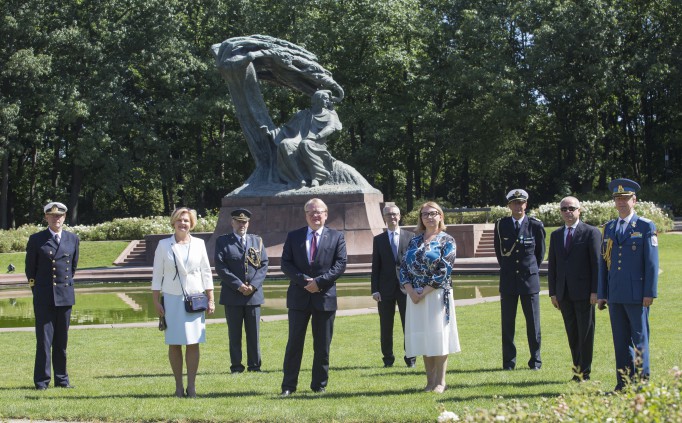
{"x":535,"y":219}
{"x":644,"y":219}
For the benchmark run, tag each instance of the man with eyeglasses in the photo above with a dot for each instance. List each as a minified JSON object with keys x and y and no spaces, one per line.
{"x":388,"y":249}
{"x":520,"y":248}
{"x":628,"y":282}
{"x":313,"y":258}
{"x":573,"y":266}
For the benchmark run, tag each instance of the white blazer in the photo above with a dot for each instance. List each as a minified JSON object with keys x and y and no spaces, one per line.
{"x":194,"y":272}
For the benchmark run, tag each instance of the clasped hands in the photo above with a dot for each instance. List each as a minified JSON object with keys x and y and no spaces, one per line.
{"x":246,"y":289}
{"x":311,"y":285}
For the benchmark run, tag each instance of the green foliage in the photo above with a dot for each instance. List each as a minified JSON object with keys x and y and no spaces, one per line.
{"x":650,"y":402}
{"x":14,"y":240}
{"x":599,"y":212}
{"x":593,"y":212}
{"x":116,"y":106}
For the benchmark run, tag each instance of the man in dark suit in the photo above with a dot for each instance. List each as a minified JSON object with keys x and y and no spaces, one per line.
{"x":573,"y":275}
{"x":387,"y":251}
{"x":51,"y":260}
{"x":242,"y":264}
{"x":520,"y":248}
{"x":313,"y":258}
{"x":628,"y":282}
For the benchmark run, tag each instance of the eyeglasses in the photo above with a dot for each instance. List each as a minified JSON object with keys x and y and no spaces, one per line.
{"x":315,"y":212}
{"x":430,"y":214}
{"x":571,"y":208}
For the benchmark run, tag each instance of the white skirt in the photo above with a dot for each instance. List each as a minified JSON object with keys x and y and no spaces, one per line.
{"x":183,"y":328}
{"x":426,"y":332}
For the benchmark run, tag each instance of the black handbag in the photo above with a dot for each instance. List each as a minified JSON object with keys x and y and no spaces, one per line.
{"x":196,"y":303}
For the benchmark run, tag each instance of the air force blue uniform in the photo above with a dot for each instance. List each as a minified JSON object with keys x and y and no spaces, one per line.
{"x":628,"y":272}
{"x":50,"y":267}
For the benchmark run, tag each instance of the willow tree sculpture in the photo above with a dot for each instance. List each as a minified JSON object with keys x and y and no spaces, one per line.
{"x":294,"y":156}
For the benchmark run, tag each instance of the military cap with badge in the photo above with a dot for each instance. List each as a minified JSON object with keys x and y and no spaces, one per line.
{"x":243,"y":215}
{"x":517,"y":195}
{"x":55,"y":207}
{"x":623,"y":187}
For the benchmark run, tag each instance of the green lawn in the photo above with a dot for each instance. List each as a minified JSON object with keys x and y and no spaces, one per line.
{"x":92,"y":254}
{"x":123,"y":374}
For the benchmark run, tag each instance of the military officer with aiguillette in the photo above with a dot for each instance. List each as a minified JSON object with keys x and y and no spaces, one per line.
{"x":51,"y":260}
{"x":242,"y":264}
{"x":628,"y":282}
{"x":520,"y":248}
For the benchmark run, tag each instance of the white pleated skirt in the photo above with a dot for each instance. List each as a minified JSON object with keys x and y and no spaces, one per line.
{"x":426,"y":332}
{"x":183,"y":328}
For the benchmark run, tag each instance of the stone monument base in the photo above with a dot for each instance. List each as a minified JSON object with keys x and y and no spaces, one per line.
{"x":358,"y":215}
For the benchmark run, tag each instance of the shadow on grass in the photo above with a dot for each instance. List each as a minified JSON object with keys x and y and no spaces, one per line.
{"x":170,"y":394}
{"x":201,"y":373}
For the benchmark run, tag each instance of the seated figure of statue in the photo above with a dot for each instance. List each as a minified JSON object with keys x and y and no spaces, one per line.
{"x":302,"y":143}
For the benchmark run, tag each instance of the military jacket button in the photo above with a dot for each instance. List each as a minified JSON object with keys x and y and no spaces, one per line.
{"x":54,"y":283}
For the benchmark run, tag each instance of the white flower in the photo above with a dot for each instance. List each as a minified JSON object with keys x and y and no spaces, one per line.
{"x":447,"y":417}
{"x":500,"y":418}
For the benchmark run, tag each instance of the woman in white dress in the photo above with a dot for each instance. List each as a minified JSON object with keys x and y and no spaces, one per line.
{"x":430,"y":323}
{"x":181,"y":263}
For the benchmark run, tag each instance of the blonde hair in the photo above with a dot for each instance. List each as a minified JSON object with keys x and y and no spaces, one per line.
{"x":441,"y":224}
{"x":175,"y":216}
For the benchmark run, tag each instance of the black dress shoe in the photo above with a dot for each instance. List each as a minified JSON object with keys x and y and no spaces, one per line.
{"x":535,"y":368}
{"x":253,"y":370}
{"x":286,"y":393}
{"x":388,"y":364}
{"x":319,"y":390}
{"x":507,"y":368}
{"x":41,"y":387}
{"x":411,"y":365}
{"x":67,"y":386}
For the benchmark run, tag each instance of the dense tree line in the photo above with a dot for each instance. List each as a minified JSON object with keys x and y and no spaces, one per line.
{"x":116,"y":106}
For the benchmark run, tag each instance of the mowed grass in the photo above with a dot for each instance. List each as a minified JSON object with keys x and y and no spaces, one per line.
{"x":91,"y":254}
{"x":124,"y":375}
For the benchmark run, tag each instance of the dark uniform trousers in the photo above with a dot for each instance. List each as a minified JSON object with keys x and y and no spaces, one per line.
{"x":52,"y":336}
{"x":250,"y":315}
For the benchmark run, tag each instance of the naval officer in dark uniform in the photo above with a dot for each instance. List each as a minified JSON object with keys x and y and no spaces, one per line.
{"x":520,"y":248}
{"x":242,"y":264}
{"x":51,"y":259}
{"x":628,"y":282}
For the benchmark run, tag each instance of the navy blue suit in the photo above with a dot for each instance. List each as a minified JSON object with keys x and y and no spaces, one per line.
{"x":234,"y":268}
{"x":385,"y":281}
{"x":573,"y":276}
{"x":628,"y":272}
{"x":49,"y":269}
{"x":519,"y":256}
{"x":328,"y":266}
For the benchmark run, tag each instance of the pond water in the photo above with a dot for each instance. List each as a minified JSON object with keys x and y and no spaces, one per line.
{"x":129,"y":302}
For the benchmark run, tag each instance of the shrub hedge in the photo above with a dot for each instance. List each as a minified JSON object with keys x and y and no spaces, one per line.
{"x":593,"y":212}
{"x":649,"y":402}
{"x":129,"y":228}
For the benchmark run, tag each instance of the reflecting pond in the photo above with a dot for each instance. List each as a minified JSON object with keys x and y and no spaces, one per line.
{"x":129,"y":302}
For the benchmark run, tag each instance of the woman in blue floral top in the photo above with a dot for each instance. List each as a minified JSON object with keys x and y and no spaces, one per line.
{"x":430,"y":324}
